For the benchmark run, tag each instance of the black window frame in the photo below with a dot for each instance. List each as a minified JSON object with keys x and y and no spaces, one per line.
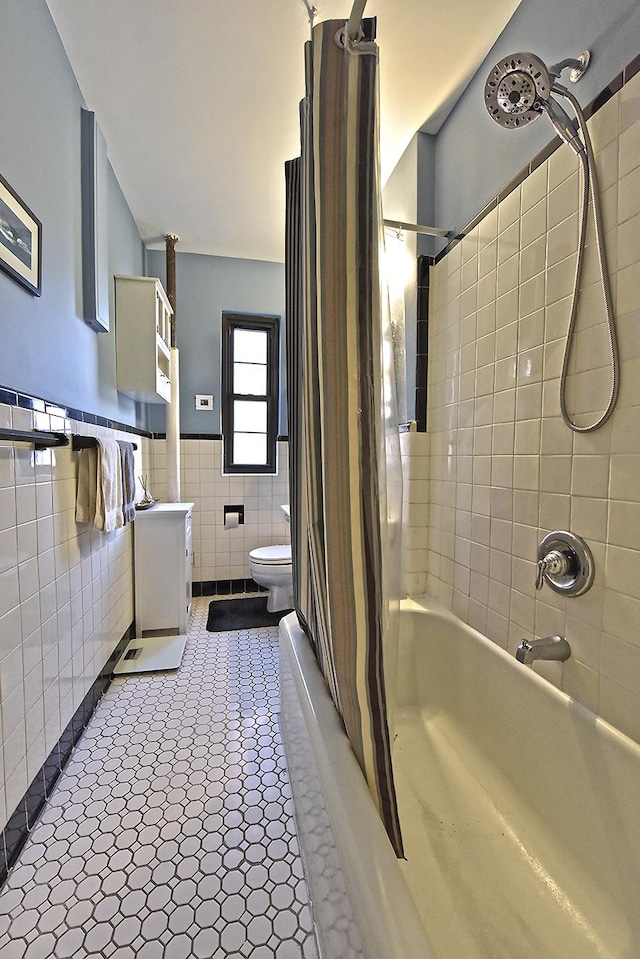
{"x":270,"y":325}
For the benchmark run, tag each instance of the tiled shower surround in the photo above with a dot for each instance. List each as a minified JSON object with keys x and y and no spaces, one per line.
{"x":505,"y":470}
{"x":414,"y":453}
{"x":219,"y":553}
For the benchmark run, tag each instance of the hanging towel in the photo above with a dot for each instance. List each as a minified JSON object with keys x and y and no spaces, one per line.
{"x":87,"y":485}
{"x":109,"y":487}
{"x":128,"y":481}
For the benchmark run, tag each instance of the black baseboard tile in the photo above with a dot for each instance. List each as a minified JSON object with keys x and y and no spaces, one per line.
{"x":23,"y":819}
{"x":226,"y":587}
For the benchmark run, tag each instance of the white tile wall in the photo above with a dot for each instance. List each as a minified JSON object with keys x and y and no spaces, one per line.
{"x":504,"y":469}
{"x":66,"y":599}
{"x":220,"y":553}
{"x":414,"y":452}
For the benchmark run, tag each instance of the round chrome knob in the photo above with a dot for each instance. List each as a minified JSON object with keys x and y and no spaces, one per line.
{"x":565,"y":563}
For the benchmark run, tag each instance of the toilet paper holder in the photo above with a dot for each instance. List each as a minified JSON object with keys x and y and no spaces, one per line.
{"x":234,"y":509}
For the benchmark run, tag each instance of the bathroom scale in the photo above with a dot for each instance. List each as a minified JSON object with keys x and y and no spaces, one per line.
{"x":151,"y":654}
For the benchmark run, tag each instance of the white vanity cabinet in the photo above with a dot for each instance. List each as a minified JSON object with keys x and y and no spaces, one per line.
{"x":143,"y":339}
{"x":162,"y":565}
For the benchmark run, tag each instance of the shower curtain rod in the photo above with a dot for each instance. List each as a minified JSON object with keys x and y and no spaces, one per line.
{"x":353,"y":23}
{"x":416,"y":228}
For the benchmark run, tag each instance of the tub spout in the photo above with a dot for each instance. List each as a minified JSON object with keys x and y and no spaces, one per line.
{"x":551,"y":647}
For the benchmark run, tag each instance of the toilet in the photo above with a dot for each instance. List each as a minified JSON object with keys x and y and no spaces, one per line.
{"x":271,"y":567}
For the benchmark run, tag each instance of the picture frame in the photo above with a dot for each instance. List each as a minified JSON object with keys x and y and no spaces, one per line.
{"x":20,"y":240}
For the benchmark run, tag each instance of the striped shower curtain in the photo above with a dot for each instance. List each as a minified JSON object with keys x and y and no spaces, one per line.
{"x":337,"y":398}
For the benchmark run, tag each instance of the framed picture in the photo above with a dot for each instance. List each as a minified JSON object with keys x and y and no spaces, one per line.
{"x":20,"y":240}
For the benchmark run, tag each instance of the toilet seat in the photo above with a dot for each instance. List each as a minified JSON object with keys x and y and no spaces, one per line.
{"x":271,"y":555}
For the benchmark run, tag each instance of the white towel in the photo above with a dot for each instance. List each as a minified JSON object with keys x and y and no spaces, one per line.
{"x":109,"y":487}
{"x":87,"y":484}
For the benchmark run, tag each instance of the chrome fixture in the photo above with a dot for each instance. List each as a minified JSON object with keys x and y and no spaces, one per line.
{"x":399,"y":226}
{"x":550,"y":648}
{"x":518,"y":91}
{"x":565,"y":562}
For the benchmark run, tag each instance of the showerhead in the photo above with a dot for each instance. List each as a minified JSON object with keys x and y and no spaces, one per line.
{"x":518,"y":90}
{"x":515,"y":90}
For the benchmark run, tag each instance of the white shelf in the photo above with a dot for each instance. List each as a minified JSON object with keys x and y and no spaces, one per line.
{"x":143,"y":330}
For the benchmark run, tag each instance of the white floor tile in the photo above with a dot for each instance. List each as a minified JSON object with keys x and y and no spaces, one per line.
{"x":170,"y":834}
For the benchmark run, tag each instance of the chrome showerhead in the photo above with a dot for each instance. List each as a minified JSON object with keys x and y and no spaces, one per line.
{"x":518,"y":90}
{"x":515,"y":90}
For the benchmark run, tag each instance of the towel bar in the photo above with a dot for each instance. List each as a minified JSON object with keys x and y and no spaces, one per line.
{"x":87,"y":442}
{"x":40,"y":439}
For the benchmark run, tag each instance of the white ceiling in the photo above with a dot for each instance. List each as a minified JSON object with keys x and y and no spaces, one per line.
{"x":198,"y":100}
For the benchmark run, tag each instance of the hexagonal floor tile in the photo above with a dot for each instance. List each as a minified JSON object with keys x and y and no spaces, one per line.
{"x":170,"y":834}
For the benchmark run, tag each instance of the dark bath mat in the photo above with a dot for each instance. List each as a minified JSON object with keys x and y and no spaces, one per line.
{"x":248,"y":613}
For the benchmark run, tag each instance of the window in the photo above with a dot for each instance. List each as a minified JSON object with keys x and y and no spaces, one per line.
{"x":250,"y":363}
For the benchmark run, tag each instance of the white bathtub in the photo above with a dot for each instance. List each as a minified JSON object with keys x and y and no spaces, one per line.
{"x":520,"y":810}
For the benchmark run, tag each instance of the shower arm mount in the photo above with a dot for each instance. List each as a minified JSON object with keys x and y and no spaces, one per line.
{"x":576,"y":65}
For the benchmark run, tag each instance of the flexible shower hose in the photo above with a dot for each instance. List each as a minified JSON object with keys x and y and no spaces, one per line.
{"x":589,"y":185}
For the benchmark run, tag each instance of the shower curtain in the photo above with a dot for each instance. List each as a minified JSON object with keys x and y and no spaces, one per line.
{"x":340,"y":400}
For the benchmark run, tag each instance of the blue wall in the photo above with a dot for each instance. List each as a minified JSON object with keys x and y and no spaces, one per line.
{"x":427,"y":212}
{"x":205,"y":286}
{"x":46,"y":347}
{"x":409,"y":196}
{"x":475,"y":158}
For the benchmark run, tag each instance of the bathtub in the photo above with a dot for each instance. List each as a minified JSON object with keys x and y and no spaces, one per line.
{"x":520,"y":809}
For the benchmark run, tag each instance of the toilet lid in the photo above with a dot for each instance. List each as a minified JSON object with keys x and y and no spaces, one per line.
{"x":271,"y":555}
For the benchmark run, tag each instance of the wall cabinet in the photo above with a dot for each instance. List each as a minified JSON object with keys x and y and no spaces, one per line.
{"x":143,"y":337}
{"x":162,"y":567}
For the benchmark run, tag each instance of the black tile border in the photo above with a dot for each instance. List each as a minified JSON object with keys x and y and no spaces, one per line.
{"x":592,"y":108}
{"x":226,"y":587}
{"x":21,"y":822}
{"x":25,"y":401}
{"x":189,"y":436}
{"x":203,"y":436}
{"x":422,"y":342}
{"x":631,"y":69}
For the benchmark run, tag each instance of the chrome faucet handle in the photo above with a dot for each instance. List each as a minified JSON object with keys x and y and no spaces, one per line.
{"x":555,"y":562}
